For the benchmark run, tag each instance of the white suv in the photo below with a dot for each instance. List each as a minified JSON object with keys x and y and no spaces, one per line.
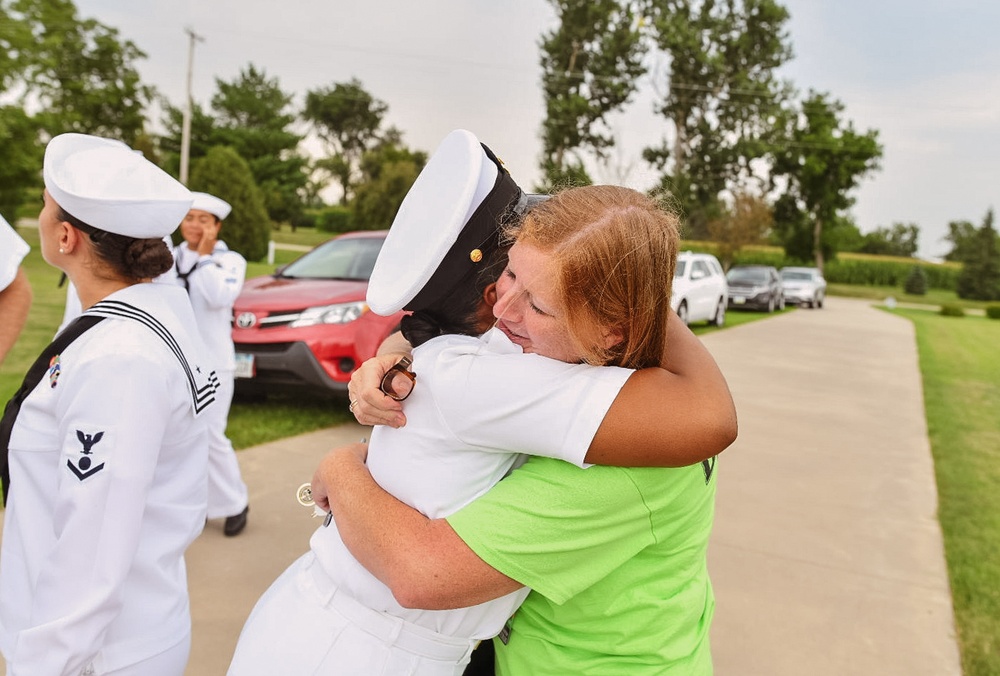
{"x":700,"y":289}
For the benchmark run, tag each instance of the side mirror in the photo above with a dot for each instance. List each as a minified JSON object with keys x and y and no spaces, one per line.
{"x":697,"y":274}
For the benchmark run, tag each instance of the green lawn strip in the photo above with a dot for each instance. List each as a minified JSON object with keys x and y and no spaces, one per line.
{"x":738,"y":317}
{"x":253,"y":422}
{"x":302,"y":236}
{"x":960,"y":367}
{"x":933,"y":297}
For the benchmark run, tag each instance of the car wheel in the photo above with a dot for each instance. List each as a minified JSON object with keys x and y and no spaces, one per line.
{"x":682,"y":312}
{"x":819,"y":302}
{"x":720,"y":313}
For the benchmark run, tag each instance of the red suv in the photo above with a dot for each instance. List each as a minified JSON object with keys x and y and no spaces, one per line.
{"x":307,"y":327}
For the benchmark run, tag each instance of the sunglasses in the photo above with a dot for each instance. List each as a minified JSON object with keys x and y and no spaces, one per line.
{"x":398,"y":381}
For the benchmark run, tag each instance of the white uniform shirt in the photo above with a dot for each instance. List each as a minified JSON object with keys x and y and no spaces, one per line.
{"x":107,"y":460}
{"x":214,"y":283}
{"x":478,"y":405}
{"x":13,"y":249}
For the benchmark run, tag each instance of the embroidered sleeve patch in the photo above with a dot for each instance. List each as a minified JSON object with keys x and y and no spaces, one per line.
{"x":90,"y":458}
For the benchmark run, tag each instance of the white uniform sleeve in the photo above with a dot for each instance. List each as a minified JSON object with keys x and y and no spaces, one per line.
{"x":13,"y":249}
{"x":112,"y":421}
{"x":218,"y":278}
{"x":526,"y":403}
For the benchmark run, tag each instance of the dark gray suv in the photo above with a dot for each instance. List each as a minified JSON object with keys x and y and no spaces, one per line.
{"x":755,"y":287}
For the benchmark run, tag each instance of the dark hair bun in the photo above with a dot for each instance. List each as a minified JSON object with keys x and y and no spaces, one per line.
{"x":147,"y":258}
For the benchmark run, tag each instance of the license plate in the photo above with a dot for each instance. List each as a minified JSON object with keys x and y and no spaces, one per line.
{"x":244,"y":365}
{"x":736,"y":301}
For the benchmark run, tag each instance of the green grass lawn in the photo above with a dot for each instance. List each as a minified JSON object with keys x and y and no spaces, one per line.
{"x":934,"y":297}
{"x":960,"y":367}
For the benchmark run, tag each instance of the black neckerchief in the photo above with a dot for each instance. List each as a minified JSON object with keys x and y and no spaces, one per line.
{"x":75,"y":329}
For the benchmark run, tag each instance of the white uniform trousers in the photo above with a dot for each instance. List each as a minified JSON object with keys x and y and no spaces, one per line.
{"x":227,"y":493}
{"x":170,"y":662}
{"x":325,"y":631}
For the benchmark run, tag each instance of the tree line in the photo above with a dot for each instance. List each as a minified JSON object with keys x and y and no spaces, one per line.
{"x":744,"y":155}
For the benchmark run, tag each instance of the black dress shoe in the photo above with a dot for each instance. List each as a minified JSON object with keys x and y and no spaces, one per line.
{"x":236,"y":523}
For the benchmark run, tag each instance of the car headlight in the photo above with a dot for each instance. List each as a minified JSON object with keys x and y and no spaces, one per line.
{"x":341,"y":313}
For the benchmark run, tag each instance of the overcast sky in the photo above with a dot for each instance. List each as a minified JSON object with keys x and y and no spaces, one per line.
{"x":925,"y":73}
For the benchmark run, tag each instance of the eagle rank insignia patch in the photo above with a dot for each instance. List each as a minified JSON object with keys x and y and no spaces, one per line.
{"x":87,"y":464}
{"x":55,"y":368}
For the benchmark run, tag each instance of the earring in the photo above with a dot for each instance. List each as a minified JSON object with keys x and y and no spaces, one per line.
{"x":62,"y":250}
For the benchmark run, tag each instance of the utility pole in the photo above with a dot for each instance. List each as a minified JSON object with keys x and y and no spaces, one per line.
{"x":186,"y":127}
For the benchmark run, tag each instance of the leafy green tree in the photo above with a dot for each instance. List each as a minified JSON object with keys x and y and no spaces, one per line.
{"x":846,"y":237}
{"x":222,"y":172}
{"x":387,"y":171}
{"x":82,"y":73}
{"x":22,"y":160}
{"x":347,"y":119}
{"x":203,"y":135}
{"x":16,"y":46}
{"x":962,"y":235}
{"x":746,"y":222}
{"x":252,"y":116}
{"x":980,"y":275}
{"x":590,"y":67}
{"x":723,"y":98}
{"x":78,"y":73}
{"x":823,"y":160}
{"x":899,"y":240}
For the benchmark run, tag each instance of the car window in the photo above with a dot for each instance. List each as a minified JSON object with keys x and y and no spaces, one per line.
{"x":747,"y":275}
{"x":681,"y":267}
{"x":796,"y":275}
{"x":714,"y":264}
{"x":346,"y":258}
{"x":700,"y":267}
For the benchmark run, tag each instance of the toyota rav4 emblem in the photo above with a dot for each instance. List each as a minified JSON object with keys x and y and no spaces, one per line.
{"x":246,"y":320}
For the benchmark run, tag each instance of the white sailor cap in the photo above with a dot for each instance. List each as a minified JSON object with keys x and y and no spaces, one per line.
{"x":448,"y":223}
{"x":219,"y":208}
{"x":111,"y":187}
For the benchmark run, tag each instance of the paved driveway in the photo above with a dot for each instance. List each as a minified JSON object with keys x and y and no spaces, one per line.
{"x":827,"y":555}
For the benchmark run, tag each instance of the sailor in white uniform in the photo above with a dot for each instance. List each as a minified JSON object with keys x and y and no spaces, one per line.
{"x":104,"y":449}
{"x":213,"y":276}
{"x":15,"y":291}
{"x":466,"y":430}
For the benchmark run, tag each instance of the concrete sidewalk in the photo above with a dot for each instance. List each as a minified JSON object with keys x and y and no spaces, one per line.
{"x":826,"y":556}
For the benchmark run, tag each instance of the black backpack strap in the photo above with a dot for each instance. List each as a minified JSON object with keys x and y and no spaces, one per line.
{"x":75,"y":329}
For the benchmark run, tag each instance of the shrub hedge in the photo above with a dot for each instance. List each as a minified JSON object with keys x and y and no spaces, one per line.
{"x":952,"y":310}
{"x":847,"y":268}
{"x":993,"y":311}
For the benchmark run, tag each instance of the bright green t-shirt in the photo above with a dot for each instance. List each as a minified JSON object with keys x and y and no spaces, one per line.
{"x":616,"y":560}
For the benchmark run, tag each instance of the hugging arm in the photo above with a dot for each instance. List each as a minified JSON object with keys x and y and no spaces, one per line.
{"x":422,"y":561}
{"x":672,"y":416}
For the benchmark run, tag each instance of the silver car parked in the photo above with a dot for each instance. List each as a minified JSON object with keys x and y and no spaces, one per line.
{"x":803,"y":286}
